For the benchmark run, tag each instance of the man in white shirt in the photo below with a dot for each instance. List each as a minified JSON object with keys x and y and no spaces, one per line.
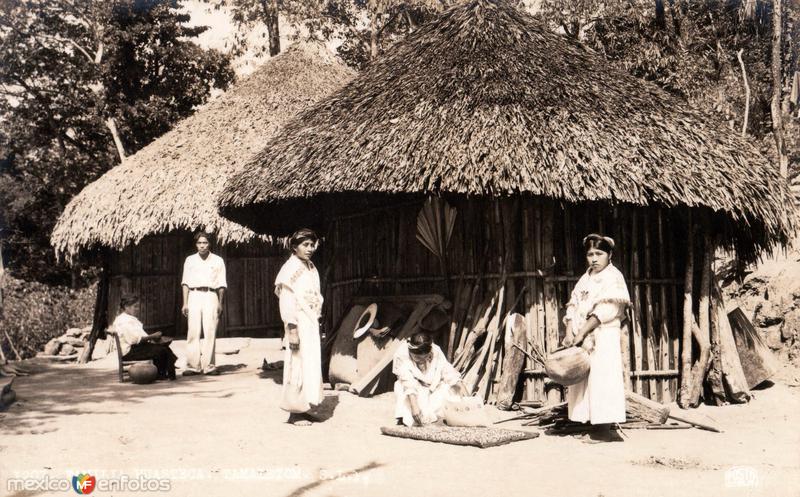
{"x":203,"y":286}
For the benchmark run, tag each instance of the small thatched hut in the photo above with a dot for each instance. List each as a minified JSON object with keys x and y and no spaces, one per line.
{"x":146,"y":208}
{"x":535,"y":142}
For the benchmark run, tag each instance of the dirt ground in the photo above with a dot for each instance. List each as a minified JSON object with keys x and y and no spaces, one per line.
{"x":225,"y":435}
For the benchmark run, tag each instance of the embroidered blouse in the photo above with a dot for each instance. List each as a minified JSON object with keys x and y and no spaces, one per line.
{"x":297,"y":287}
{"x":603,"y":295}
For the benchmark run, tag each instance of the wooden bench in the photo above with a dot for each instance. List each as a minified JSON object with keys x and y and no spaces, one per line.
{"x":123,"y":365}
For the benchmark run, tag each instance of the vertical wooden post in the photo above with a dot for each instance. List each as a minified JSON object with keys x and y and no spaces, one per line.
{"x":625,"y":347}
{"x":621,"y":227}
{"x":541,"y":331}
{"x":649,"y":313}
{"x":636,"y":321}
{"x":701,"y":333}
{"x":675,"y":339}
{"x":715,"y":373}
{"x":529,"y":299}
{"x":688,"y":317}
{"x":100,"y":318}
{"x":550,"y":299}
{"x":663,"y":335}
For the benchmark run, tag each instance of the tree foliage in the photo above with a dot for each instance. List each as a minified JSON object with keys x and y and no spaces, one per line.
{"x":363,"y":28}
{"x":690,"y":49}
{"x":70,"y":71}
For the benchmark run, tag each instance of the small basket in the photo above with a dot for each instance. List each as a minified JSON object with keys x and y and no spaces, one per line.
{"x":567,"y":366}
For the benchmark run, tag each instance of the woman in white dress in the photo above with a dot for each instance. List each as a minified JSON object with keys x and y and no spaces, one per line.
{"x":425,"y":380}
{"x":593,"y":318}
{"x":297,"y":286}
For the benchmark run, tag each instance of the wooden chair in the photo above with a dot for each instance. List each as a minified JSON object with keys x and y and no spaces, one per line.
{"x":123,"y":365}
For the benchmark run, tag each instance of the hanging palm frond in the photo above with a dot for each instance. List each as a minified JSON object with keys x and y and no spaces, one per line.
{"x":435,"y":224}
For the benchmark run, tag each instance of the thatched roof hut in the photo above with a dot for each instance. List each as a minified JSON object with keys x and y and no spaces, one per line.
{"x":487,"y":101}
{"x":173,"y":182}
{"x":533,"y":142}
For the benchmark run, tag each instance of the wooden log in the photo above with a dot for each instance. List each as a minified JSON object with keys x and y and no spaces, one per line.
{"x":688,"y":417}
{"x":466,"y":322}
{"x":472,"y":376}
{"x":640,"y":407}
{"x":514,"y":361}
{"x":700,"y":367}
{"x":458,"y":308}
{"x":688,"y":318}
{"x":732,"y":373}
{"x":714,"y":376}
{"x":758,"y":363}
{"x":549,"y":412}
{"x":481,"y":318}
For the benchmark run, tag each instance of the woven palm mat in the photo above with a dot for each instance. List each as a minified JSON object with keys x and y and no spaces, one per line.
{"x":457,"y":435}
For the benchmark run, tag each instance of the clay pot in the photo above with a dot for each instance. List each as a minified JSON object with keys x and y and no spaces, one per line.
{"x":143,"y":373}
{"x":568,"y":366}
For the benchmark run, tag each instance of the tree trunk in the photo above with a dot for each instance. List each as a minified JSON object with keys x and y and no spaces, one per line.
{"x":777,"y":82}
{"x":688,"y":319}
{"x":112,"y":128}
{"x":640,"y":407}
{"x":700,"y":367}
{"x":661,"y":21}
{"x":746,"y":93}
{"x":273,"y":31}
{"x":2,"y":283}
{"x":2,"y":277}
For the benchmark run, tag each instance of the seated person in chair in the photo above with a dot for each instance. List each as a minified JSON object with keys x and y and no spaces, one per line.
{"x":425,"y":380}
{"x":136,"y":344}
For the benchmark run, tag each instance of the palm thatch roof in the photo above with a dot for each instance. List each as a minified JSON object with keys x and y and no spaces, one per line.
{"x":486,"y":100}
{"x":173,"y":182}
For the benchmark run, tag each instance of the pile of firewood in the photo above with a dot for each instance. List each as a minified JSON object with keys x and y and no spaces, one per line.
{"x":487,"y":342}
{"x":640,"y":412}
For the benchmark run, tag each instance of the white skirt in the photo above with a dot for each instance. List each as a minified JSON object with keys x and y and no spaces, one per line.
{"x":431,"y":403}
{"x":302,"y":369}
{"x":600,"y":398}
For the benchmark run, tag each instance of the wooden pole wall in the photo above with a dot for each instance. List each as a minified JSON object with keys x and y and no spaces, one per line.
{"x":539,"y":243}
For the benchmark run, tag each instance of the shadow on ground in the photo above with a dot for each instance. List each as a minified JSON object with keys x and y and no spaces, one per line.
{"x":324,"y":411}
{"x":55,"y":391}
